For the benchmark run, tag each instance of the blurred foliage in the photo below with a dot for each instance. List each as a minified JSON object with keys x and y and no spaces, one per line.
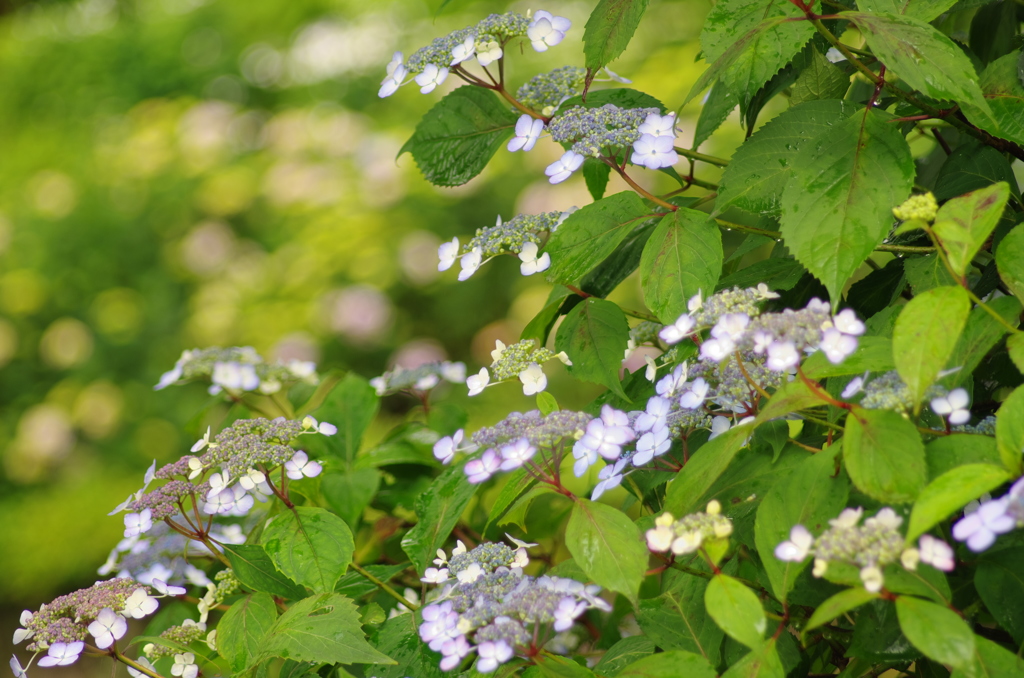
{"x":177,"y":174}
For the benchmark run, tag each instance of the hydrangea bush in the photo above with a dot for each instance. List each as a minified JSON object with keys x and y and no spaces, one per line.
{"x":852,"y":402}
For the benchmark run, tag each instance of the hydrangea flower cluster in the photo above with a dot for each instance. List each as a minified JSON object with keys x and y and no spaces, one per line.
{"x":689,"y":533}
{"x":522,"y":236}
{"x":487,"y":606}
{"x":236,"y":370}
{"x":422,"y":378}
{"x":96,"y":616}
{"x":545,"y":92}
{"x":888,"y":391}
{"x":485,"y":41}
{"x":980,"y":527}
{"x":521,"y":360}
{"x":869,"y":546}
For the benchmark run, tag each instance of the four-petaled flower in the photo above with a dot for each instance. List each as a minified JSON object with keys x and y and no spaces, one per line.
{"x":431,"y":77}
{"x":547,"y":31}
{"x":953,"y":407}
{"x":562,"y":169}
{"x":62,"y":654}
{"x":108,"y":627}
{"x":534,"y":380}
{"x":528,"y":130}
{"x":531,"y":262}
{"x":478,"y":382}
{"x":654,"y":152}
{"x":300,"y":466}
{"x":138,"y":523}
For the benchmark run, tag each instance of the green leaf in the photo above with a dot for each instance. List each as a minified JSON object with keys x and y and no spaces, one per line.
{"x":923,"y":57}
{"x":926,"y":334}
{"x":623,"y":653}
{"x":620,"y":264}
{"x":873,"y":354}
{"x":735,"y":54}
{"x":981,"y":333}
{"x":925,"y":10}
{"x":1010,"y":431}
{"x":324,"y":629}
{"x":609,"y":30}
{"x":312,"y":546}
{"x":553,"y":666}
{"x":458,"y":136}
{"x":623,"y":97}
{"x":350,"y":493}
{"x":678,"y":620}
{"x":670,"y":665}
{"x":438,"y":509}
{"x":1015,"y":346}
{"x":778,"y":274}
{"x":936,"y":630}
{"x":703,"y":468}
{"x":241,"y":630}
{"x":682,"y":257}
{"x":950,"y":492}
{"x":884,"y":455}
{"x":926,"y":273}
{"x":257,"y":572}
{"x":546,"y":403}
{"x":991,"y":661}
{"x":351,"y":406}
{"x":730,"y":21}
{"x":516,"y":485}
{"x":1010,"y":260}
{"x":763,"y":662}
{"x":809,"y":496}
{"x":838,"y":208}
{"x":1000,"y":583}
{"x":399,"y":639}
{"x":820,"y":80}
{"x":355,"y":585}
{"x":1004,"y":92}
{"x":844,"y":601}
{"x":964,"y":224}
{"x":606,"y":544}
{"x":591,"y":234}
{"x":736,"y":609}
{"x":595,"y":174}
{"x":595,"y":335}
{"x":761,"y":167}
{"x":971,"y":166}
{"x":960,"y":449}
{"x":719,"y":104}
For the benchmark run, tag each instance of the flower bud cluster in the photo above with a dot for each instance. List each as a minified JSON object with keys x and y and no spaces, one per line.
{"x":422,"y":378}
{"x":923,"y":207}
{"x":487,"y":606}
{"x":188,"y":632}
{"x":522,"y":236}
{"x":543,"y":93}
{"x":888,"y":391}
{"x":689,"y":533}
{"x":869,"y":546}
{"x":541,"y":430}
{"x":591,"y":131}
{"x":237,"y":369}
{"x":980,"y":527}
{"x":523,"y":360}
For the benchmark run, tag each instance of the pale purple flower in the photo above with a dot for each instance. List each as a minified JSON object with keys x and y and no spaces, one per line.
{"x":140,"y":604}
{"x":492,"y":655}
{"x":953,"y":406}
{"x":562,"y":169}
{"x":566,"y":613}
{"x":654,"y":152}
{"x":439,"y":624}
{"x":464,"y":51}
{"x":836,"y":345}
{"x":16,"y":667}
{"x":652,"y":444}
{"x":478,"y":382}
{"x":434,"y":575}
{"x":164,"y":589}
{"x":719,"y":425}
{"x":453,"y":651}
{"x":444,"y":449}
{"x":655,"y":415}
{"x":782,"y":355}
{"x":516,"y":454}
{"x":717,"y":350}
{"x":107,"y":628}
{"x":528,"y":131}
{"x":854,"y":387}
{"x":547,"y":31}
{"x":679,"y":330}
{"x":531,"y":262}
{"x":659,"y":125}
{"x":62,"y":654}
{"x":479,"y":470}
{"x":979,"y":529}
{"x":300,"y":466}
{"x":431,"y":77}
{"x":609,"y":478}
{"x":846,"y":321}
{"x":670,"y":383}
{"x":470,"y":262}
{"x":447,"y":253}
{"x":799,"y":545}
{"x":138,"y":523}
{"x":936,"y":553}
{"x":695,"y":395}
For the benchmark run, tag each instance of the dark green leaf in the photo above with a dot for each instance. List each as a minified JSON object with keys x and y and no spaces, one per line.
{"x":1015,"y":347}
{"x":623,"y":97}
{"x":810,"y":496}
{"x":609,"y":30}
{"x":970,"y":167}
{"x":592,"y":233}
{"x":1000,"y":583}
{"x":936,"y":630}
{"x":458,"y":136}
{"x":241,"y":630}
{"x":323,"y":628}
{"x":677,"y":619}
{"x":594,"y":335}
{"x":778,"y":274}
{"x":257,"y":572}
{"x":720,"y":103}
{"x":820,"y":80}
{"x":1010,"y":431}
{"x":595,"y":174}
{"x":994,"y":30}
{"x":926,"y":334}
{"x":682,"y":257}
{"x":351,"y":406}
{"x":703,"y":468}
{"x":964,"y":224}
{"x":884,"y":455}
{"x":670,"y":664}
{"x":981,"y":333}
{"x":950,"y":492}
{"x":438,"y":509}
{"x":761,"y":167}
{"x":926,"y":273}
{"x":878,"y":289}
{"x":763,"y":662}
{"x":399,"y":639}
{"x":607,"y":275}
{"x":350,"y":493}
{"x":355,"y":585}
{"x":553,"y":666}
{"x":310,"y":545}
{"x":1004,"y":92}
{"x":623,"y":653}
{"x":608,"y":546}
{"x":737,"y":54}
{"x":844,"y":601}
{"x":877,"y":636}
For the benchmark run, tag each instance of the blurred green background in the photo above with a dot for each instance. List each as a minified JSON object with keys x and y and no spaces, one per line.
{"x":188,"y":173}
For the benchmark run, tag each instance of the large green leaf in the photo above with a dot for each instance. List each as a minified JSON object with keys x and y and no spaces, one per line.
{"x":737,"y":53}
{"x":609,"y":30}
{"x":623,"y":653}
{"x":350,"y":406}
{"x":591,"y":234}
{"x":884,"y":455}
{"x":736,"y":609}
{"x":729,"y":21}
{"x":981,"y":333}
{"x":950,"y":492}
{"x":1010,"y":431}
{"x":704,"y":467}
{"x":991,"y":661}
{"x":1004,"y":92}
{"x":670,"y":664}
{"x":999,"y":580}
{"x":437,"y":509}
{"x":920,"y":55}
{"x":926,"y":334}
{"x":964,"y":224}
{"x":820,"y":80}
{"x":322,"y":629}
{"x":811,"y":495}
{"x":399,"y":639}
{"x":350,"y":493}
{"x":312,"y":546}
{"x":936,"y":630}
{"x":682,"y":257}
{"x":763,"y":164}
{"x":972,"y":165}
{"x":595,"y":335}
{"x":960,"y":449}
{"x":609,"y":548}
{"x":257,"y":572}
{"x":719,"y":104}
{"x":925,"y":10}
{"x":241,"y":630}
{"x":678,"y":620}
{"x":844,"y":601}
{"x":838,"y":207}
{"x":458,"y":136}
{"x":1010,"y":260}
